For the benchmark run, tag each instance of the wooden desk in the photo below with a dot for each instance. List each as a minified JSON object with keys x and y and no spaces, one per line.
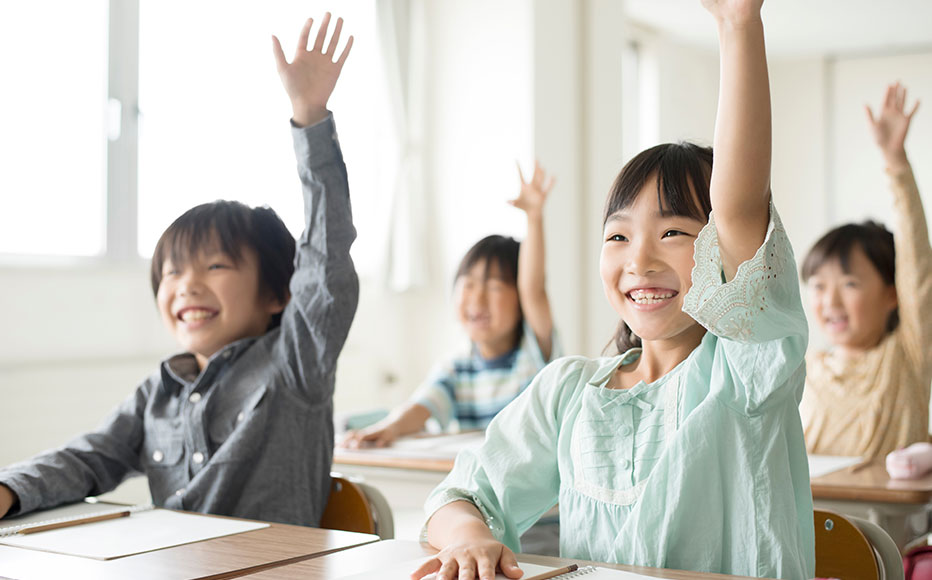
{"x":898,"y":506}
{"x":391,"y":552}
{"x":224,"y":557}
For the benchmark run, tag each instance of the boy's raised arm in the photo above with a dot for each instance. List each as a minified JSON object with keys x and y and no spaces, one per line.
{"x":532,"y":279}
{"x":740,"y":185}
{"x":324,"y":287}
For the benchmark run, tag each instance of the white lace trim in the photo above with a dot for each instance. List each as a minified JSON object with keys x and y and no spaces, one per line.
{"x":729,"y":310}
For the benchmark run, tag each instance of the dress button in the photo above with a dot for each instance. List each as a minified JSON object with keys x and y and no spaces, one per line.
{"x":180,"y":492}
{"x":158,"y":456}
{"x":195,"y":397}
{"x":198,"y":457}
{"x":626,"y":430}
{"x":240,"y":417}
{"x":625,"y":463}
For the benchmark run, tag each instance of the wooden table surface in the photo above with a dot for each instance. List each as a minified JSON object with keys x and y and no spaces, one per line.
{"x":382,"y":555}
{"x":362,"y":457}
{"x":224,"y":557}
{"x":871,"y":483}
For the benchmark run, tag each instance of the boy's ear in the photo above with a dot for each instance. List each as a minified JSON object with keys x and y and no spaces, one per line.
{"x":275,"y":306}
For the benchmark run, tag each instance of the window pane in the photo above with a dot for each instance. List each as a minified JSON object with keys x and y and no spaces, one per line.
{"x":53,"y":146}
{"x":214,"y":116}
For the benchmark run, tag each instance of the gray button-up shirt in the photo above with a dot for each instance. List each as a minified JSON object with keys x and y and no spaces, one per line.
{"x":252,"y":434}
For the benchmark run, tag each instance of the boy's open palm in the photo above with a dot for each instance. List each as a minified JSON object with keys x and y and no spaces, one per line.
{"x":892,"y":121}
{"x":533,"y":193}
{"x":312,"y":74}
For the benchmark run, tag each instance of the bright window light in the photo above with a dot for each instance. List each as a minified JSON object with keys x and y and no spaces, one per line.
{"x":53,"y":135}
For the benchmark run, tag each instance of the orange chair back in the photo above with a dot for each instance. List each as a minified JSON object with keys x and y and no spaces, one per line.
{"x":348,"y":508}
{"x":842,"y":551}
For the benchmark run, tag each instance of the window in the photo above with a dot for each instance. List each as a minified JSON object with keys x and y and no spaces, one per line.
{"x":211,"y":121}
{"x":53,"y":123}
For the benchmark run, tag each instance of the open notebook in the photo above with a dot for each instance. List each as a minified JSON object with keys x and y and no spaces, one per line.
{"x":144,"y":530}
{"x":403,"y":572}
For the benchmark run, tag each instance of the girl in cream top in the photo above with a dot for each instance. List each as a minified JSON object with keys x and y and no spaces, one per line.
{"x":869,"y":394}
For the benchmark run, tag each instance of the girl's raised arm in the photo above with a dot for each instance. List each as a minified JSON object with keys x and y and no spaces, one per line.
{"x":740,"y":185}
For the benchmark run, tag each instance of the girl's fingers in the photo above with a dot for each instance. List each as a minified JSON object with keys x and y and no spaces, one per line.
{"x":322,"y":33}
{"x":332,"y":47}
{"x":549,"y":185}
{"x":426,"y":568}
{"x":486,"y":569}
{"x":900,"y":97}
{"x":890,"y":97}
{"x":468,"y":570}
{"x":448,"y":570}
{"x":302,"y":38}
{"x":520,"y":173}
{"x":509,"y":564}
{"x":913,"y":112}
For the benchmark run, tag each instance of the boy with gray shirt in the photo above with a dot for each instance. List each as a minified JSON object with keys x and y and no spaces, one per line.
{"x":241,"y":423}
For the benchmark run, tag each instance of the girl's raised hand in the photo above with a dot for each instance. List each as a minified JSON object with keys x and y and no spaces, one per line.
{"x":533,"y":193}
{"x":468,"y":561}
{"x":312,"y":74}
{"x":734,"y":11}
{"x":891,"y":124}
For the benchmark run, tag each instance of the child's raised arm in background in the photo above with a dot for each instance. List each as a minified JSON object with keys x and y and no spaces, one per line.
{"x":871,"y":295}
{"x":240,"y":423}
{"x":502,"y":304}
{"x":684,"y":451}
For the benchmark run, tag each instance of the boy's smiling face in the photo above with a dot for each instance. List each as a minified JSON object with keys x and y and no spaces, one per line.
{"x":212,"y":300}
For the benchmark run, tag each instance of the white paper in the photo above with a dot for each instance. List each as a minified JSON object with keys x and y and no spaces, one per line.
{"x":137,"y":533}
{"x":820,"y":465}
{"x":441,"y":446}
{"x":403,"y":572}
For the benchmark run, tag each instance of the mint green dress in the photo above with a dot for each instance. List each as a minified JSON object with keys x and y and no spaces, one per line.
{"x":704,"y":469}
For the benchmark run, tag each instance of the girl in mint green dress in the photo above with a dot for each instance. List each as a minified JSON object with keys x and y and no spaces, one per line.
{"x":686,"y":450}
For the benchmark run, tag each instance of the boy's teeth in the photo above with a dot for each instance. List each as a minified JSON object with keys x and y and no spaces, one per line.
{"x":190,"y":315}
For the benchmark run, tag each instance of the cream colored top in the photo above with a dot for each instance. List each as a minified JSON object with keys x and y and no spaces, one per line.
{"x":880,"y":402}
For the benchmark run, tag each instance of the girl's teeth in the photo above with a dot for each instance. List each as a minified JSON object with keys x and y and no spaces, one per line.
{"x":650,"y":298}
{"x":196,"y":315}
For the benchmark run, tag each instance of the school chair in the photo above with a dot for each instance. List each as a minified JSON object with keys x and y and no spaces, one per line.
{"x":850,"y":548}
{"x":356,"y":506}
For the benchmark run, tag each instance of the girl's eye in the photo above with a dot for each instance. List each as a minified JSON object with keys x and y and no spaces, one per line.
{"x":617,"y":238}
{"x":216,"y":266}
{"x":671,"y":233}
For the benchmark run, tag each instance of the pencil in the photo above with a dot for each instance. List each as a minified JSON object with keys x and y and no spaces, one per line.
{"x":554,"y":573}
{"x":74,"y":522}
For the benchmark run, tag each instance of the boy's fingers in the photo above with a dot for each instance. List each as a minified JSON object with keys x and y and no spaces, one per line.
{"x":322,"y":33}
{"x":332,"y":47}
{"x":346,"y":49}
{"x":870,"y":114}
{"x":302,"y":38}
{"x":520,"y":173}
{"x":280,"y":61}
{"x":913,"y":112}
{"x":550,"y":183}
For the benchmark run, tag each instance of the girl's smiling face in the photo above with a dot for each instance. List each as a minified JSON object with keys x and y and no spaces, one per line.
{"x":646,"y":267}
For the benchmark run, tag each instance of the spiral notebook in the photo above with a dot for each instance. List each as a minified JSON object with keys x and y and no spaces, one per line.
{"x":403,"y":572}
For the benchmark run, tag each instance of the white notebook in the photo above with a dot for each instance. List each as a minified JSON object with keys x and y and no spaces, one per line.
{"x":403,"y":572}
{"x":144,"y":530}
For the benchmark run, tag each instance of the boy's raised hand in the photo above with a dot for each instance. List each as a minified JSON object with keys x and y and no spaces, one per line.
{"x":891,"y":125}
{"x":533,"y":193}
{"x":312,"y":74}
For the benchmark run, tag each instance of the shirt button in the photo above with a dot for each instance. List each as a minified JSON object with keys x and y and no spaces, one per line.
{"x":195,"y":397}
{"x":180,"y":492}
{"x":198,"y":457}
{"x":240,"y":417}
{"x":227,"y":353}
{"x":158,"y":456}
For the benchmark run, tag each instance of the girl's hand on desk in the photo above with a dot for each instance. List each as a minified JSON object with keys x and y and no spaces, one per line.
{"x":469,"y":560}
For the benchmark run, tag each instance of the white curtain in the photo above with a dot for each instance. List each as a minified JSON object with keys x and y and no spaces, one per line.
{"x":401,"y":39}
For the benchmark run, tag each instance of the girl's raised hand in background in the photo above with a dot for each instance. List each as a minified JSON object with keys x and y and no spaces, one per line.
{"x":312,"y":74}
{"x":533,"y":193}
{"x":891,"y":125}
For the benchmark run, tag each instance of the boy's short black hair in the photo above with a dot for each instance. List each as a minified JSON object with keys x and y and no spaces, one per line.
{"x":494,"y":249}
{"x":875,"y":241}
{"x":683,"y":172}
{"x":233,"y":226}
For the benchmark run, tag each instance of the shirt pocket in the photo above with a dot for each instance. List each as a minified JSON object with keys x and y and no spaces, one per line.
{"x":162,"y":449}
{"x":236,"y":430}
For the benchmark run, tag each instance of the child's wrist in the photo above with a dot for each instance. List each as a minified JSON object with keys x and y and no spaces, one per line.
{"x":307,"y":115}
{"x":896,"y":159}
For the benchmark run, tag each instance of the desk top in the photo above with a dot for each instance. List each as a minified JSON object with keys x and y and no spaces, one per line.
{"x":224,"y":557}
{"x":870,"y":482}
{"x":389,"y":552}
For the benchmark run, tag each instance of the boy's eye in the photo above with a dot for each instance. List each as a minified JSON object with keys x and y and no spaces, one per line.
{"x":216,"y":266}
{"x":617,"y":238}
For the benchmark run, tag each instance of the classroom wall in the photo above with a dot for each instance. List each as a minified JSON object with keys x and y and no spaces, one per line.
{"x":77,"y":337}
